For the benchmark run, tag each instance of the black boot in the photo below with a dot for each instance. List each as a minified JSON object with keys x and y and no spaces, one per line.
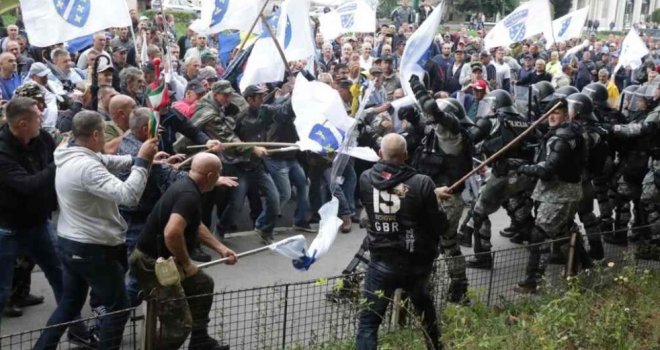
{"x":519,"y":238}
{"x":200,"y":340}
{"x":457,"y":292}
{"x":596,"y":251}
{"x":527,"y":286}
{"x":480,"y":261}
{"x":508,"y":232}
{"x":465,"y":237}
{"x":12,"y":310}
{"x":29,"y":300}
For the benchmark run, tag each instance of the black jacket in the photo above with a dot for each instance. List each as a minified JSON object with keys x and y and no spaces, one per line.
{"x":27,"y":180}
{"x":405,"y":223}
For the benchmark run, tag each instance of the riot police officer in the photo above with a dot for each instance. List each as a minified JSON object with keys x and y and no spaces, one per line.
{"x":558,"y":167}
{"x":497,"y":124}
{"x":445,"y":154}
{"x":582,"y":113}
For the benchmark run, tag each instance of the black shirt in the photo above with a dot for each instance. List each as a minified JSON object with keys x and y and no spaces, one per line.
{"x":183,"y":198}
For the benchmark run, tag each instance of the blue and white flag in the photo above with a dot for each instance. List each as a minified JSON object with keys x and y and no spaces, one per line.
{"x":529,"y":19}
{"x":219,"y":15}
{"x":355,"y":16}
{"x":79,"y":44}
{"x":294,"y":34}
{"x":633,"y":49}
{"x":50,"y":22}
{"x":568,"y":27}
{"x":415,"y":52}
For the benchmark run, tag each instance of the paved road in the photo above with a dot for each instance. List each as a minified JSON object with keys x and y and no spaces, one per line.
{"x":254,"y":271}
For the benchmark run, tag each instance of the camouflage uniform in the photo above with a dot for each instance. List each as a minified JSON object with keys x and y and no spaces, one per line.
{"x":182,"y":308}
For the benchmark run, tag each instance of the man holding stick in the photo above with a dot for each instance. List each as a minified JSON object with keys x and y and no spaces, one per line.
{"x":170,"y":230}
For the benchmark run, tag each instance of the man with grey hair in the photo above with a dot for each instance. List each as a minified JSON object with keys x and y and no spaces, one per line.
{"x":199,"y":49}
{"x":133,"y":84}
{"x":403,"y":236}
{"x":63,"y":69}
{"x":191,"y":67}
{"x":91,"y":233}
{"x":327,"y":58}
{"x":100,"y":40}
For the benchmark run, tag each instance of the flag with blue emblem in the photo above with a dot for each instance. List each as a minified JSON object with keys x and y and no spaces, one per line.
{"x":527,"y":20}
{"x":50,"y":22}
{"x":568,"y":27}
{"x":416,"y":51}
{"x":294,"y":34}
{"x":221,"y":15}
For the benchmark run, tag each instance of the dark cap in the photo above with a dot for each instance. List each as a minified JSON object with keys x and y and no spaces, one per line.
{"x":148,"y":67}
{"x":528,"y":56}
{"x":459,"y":49}
{"x":476,"y":66}
{"x":387,"y":58}
{"x":222,"y":87}
{"x":253,"y":90}
{"x":484,"y":54}
{"x":117,"y":48}
{"x":196,"y":87}
{"x":207,"y":56}
{"x":345,"y":84}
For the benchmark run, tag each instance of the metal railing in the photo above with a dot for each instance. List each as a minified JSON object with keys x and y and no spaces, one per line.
{"x":308,"y":314}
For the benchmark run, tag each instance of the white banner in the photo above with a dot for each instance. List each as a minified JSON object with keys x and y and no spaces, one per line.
{"x":632,"y":51}
{"x":527,"y":20}
{"x":219,"y":15}
{"x":568,"y":27}
{"x":50,"y":22}
{"x":356,"y":16}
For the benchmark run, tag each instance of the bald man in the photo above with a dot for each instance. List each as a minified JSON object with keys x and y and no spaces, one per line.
{"x":403,"y":237}
{"x":120,"y":108}
{"x":171,"y":228}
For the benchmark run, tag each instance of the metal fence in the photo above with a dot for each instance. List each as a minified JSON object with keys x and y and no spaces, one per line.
{"x":303,"y":315}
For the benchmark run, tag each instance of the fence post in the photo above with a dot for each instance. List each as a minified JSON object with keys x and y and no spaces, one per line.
{"x":150,"y":325}
{"x":396,"y":308}
{"x":286,"y":310}
{"x":490,"y":279}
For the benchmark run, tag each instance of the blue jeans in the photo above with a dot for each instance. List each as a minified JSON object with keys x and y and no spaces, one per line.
{"x":287,"y":172}
{"x":85,"y":266}
{"x":132,"y":233}
{"x":37,"y":244}
{"x":382,"y":278}
{"x":345,"y":192}
{"x":246,"y":179}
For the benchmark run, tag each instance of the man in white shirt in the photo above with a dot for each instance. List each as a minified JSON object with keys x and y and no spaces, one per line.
{"x":100,"y":41}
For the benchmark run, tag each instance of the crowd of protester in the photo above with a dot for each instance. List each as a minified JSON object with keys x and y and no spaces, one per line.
{"x":84,"y":207}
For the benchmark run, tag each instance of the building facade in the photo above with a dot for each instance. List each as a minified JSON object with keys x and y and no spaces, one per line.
{"x":624,"y":13}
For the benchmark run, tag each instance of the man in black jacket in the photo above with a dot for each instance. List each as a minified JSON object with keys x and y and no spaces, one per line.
{"x":403,"y":235}
{"x":27,"y":194}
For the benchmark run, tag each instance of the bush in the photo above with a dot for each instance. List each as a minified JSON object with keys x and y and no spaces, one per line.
{"x":181,"y":19}
{"x":655,"y":16}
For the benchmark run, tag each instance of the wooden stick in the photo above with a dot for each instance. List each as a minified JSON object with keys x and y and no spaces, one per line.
{"x":277,"y":43}
{"x":503,"y":149}
{"x":248,"y":144}
{"x":254,"y":24}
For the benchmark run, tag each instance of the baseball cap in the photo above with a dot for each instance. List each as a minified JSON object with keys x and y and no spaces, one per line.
{"x":143,"y":18}
{"x":387,"y":58}
{"x":196,"y":87}
{"x":207,"y":56}
{"x":30,"y":90}
{"x":345,"y":84}
{"x":480,"y":85}
{"x":485,"y":53}
{"x":476,"y":65}
{"x":222,"y":87}
{"x":375,"y":70}
{"x":459,"y":49}
{"x":117,"y":48}
{"x":253,"y":90}
{"x":207,"y":73}
{"x":39,"y":69}
{"x":528,"y":56}
{"x":104,"y":65}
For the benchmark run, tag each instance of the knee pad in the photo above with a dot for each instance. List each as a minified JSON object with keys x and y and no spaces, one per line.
{"x":537,"y":235}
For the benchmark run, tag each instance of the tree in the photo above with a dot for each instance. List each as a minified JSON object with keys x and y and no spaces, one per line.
{"x":561,"y":7}
{"x":655,"y":16}
{"x":385,"y":7}
{"x":489,"y":7}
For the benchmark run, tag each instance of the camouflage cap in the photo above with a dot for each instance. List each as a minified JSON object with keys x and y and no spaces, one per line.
{"x":222,"y":87}
{"x":30,"y":90}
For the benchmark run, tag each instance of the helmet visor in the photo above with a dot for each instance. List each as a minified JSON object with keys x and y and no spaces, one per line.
{"x":638,"y":101}
{"x":486,"y":107}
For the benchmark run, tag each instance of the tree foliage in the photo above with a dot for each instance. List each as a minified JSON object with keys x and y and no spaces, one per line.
{"x":489,"y":7}
{"x":655,"y":16}
{"x":561,"y":7}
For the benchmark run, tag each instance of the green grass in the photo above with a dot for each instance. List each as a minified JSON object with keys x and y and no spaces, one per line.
{"x":612,"y":308}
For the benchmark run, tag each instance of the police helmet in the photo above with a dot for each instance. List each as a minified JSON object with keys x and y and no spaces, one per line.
{"x":565,"y":91}
{"x":543,"y":91}
{"x":496,"y":101}
{"x":597,"y":92}
{"x":641,"y":98}
{"x":580,"y":107}
{"x":451,"y":107}
{"x":626,"y":95}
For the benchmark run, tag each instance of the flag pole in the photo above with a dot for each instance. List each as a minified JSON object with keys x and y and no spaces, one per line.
{"x":254,"y":24}
{"x":277,"y":44}
{"x":504,"y":149}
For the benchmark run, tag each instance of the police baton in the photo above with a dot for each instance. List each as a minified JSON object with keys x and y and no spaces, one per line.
{"x":504,"y":149}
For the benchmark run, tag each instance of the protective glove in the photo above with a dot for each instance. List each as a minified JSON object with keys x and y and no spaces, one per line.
{"x":529,"y":170}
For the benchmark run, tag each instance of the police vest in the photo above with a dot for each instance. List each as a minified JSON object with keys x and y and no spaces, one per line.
{"x":444,"y":168}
